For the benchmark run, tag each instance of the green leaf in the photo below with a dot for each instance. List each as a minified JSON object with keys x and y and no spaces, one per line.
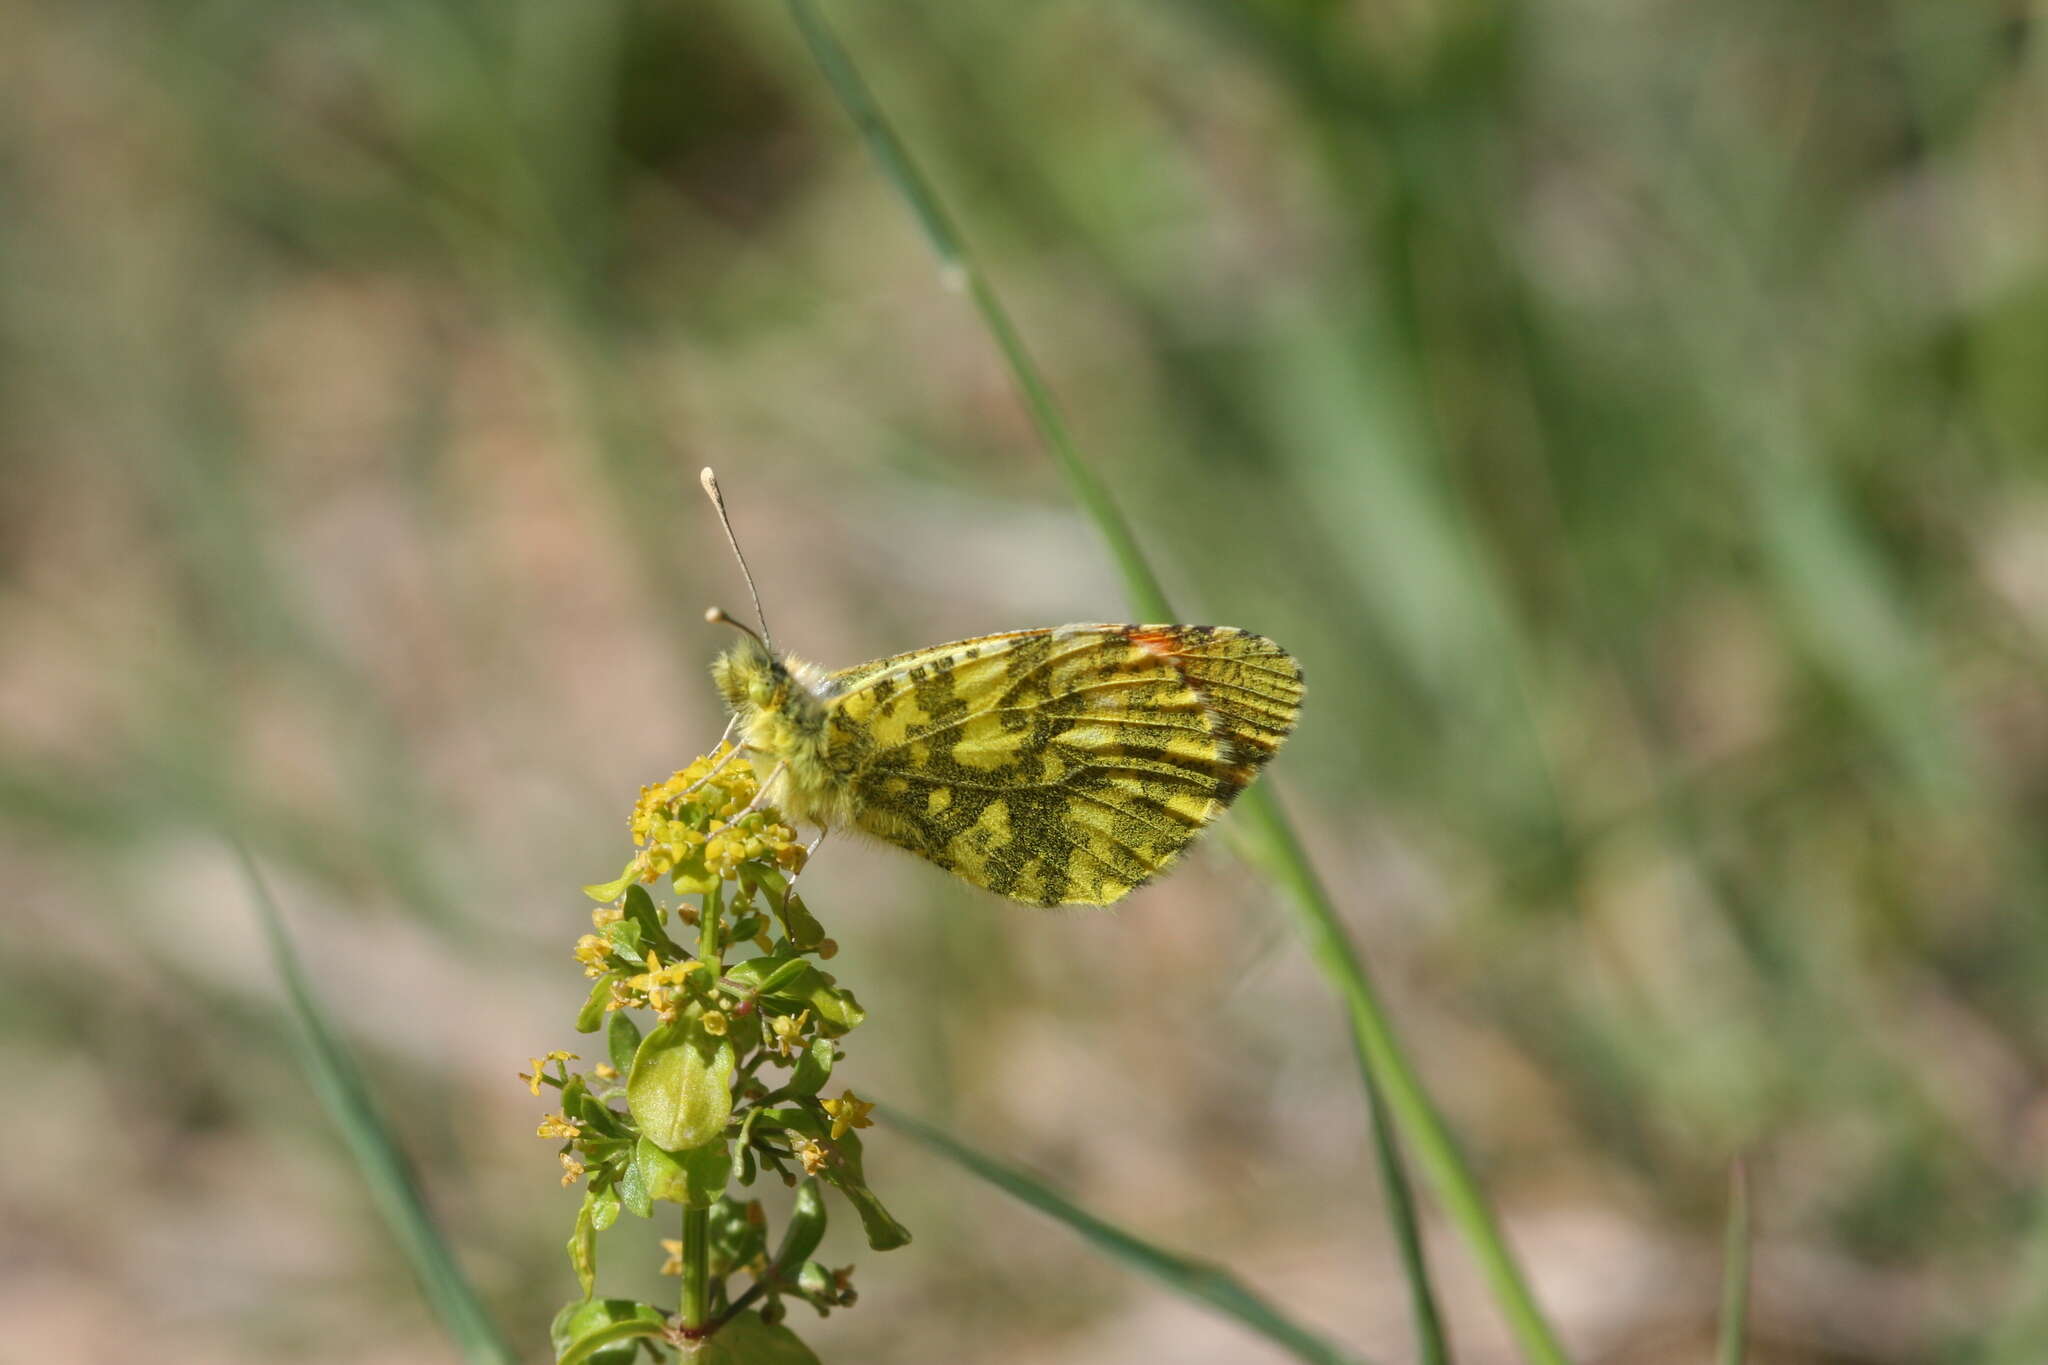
{"x":813,"y":1069}
{"x":603,"y":1202}
{"x":739,"y":1234}
{"x":622,"y":1040}
{"x":641,"y":911}
{"x":750,"y":1340}
{"x":624,"y":937}
{"x":1197,"y":1280}
{"x":634,"y":1191}
{"x":797,"y":923}
{"x":607,"y":892}
{"x":794,"y":982}
{"x":583,"y":1246}
{"x":602,"y":1331}
{"x":768,"y":880}
{"x":798,"y":926}
{"x":845,"y":1174}
{"x":707,"y":1170}
{"x":345,"y":1096}
{"x":805,"y":1229}
{"x":680,"y":1090}
{"x":789,"y":980}
{"x":743,"y":1031}
{"x":695,"y":1179}
{"x":744,"y":1145}
{"x":836,"y":1010}
{"x":592,"y":1014}
{"x":579,"y":1103}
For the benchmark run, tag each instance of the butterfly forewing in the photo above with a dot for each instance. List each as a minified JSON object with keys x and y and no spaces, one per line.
{"x":1060,"y":766}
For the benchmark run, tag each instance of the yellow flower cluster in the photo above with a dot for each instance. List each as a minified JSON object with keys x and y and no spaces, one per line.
{"x":657,"y":988}
{"x":697,"y":814}
{"x":559,"y":1126}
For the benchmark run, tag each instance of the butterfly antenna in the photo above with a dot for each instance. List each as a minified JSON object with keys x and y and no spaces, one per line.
{"x":710,"y":482}
{"x":717,"y":617}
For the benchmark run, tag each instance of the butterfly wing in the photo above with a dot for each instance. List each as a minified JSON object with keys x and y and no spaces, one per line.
{"x":1064,"y":766}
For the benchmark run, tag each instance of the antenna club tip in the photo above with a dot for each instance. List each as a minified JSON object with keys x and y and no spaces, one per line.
{"x":709,"y":480}
{"x":715,"y":615}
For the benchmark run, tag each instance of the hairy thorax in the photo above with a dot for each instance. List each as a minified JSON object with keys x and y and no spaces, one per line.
{"x":782,"y":720}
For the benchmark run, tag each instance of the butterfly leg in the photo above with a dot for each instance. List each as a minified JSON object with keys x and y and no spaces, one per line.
{"x":719,"y":766}
{"x":809,"y":849}
{"x":761,"y":794}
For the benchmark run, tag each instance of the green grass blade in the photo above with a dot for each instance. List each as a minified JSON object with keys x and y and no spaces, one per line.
{"x":1735,"y":1271}
{"x":346,"y":1098}
{"x":1430,"y":1343}
{"x":1197,"y":1280}
{"x":1386,"y":1069}
{"x":1277,"y":848}
{"x":959,"y":267}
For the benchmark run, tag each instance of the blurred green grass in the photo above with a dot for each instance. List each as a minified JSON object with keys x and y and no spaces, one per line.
{"x":1634,"y":419}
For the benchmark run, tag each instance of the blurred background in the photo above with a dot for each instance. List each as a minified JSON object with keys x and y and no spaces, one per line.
{"x":1633,"y":415}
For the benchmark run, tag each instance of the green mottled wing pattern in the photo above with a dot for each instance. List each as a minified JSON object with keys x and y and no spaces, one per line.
{"x":1063,"y":766}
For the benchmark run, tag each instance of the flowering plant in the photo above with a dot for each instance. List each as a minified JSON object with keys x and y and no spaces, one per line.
{"x":727,"y":1082}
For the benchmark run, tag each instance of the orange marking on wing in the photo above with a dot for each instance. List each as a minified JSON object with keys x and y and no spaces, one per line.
{"x":1159,"y":642}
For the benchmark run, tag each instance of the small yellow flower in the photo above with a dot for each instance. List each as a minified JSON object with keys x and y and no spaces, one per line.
{"x":813,"y":1154}
{"x":572,"y":1169}
{"x":674,"y":1264}
{"x":556,"y":1126}
{"x":539,"y":1064}
{"x":789,"y":1032}
{"x":594,"y":953}
{"x":849,"y":1111}
{"x":605,"y":1071}
{"x":714,"y":1023}
{"x":606,"y":915}
{"x":658,"y":983}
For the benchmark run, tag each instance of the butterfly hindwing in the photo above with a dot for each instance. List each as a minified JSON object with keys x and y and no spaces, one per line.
{"x":1062,"y":766}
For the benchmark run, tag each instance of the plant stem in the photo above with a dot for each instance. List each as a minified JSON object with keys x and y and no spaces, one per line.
{"x":696,"y":1294}
{"x":696,"y":1305}
{"x":1735,"y":1270}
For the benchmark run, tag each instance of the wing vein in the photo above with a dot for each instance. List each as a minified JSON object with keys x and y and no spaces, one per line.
{"x":1005,"y":790}
{"x":1093,"y":718}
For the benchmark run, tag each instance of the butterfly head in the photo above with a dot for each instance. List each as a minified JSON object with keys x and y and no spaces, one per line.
{"x":750,"y":676}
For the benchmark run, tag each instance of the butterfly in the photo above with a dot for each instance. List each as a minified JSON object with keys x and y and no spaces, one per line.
{"x":1061,"y":766}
